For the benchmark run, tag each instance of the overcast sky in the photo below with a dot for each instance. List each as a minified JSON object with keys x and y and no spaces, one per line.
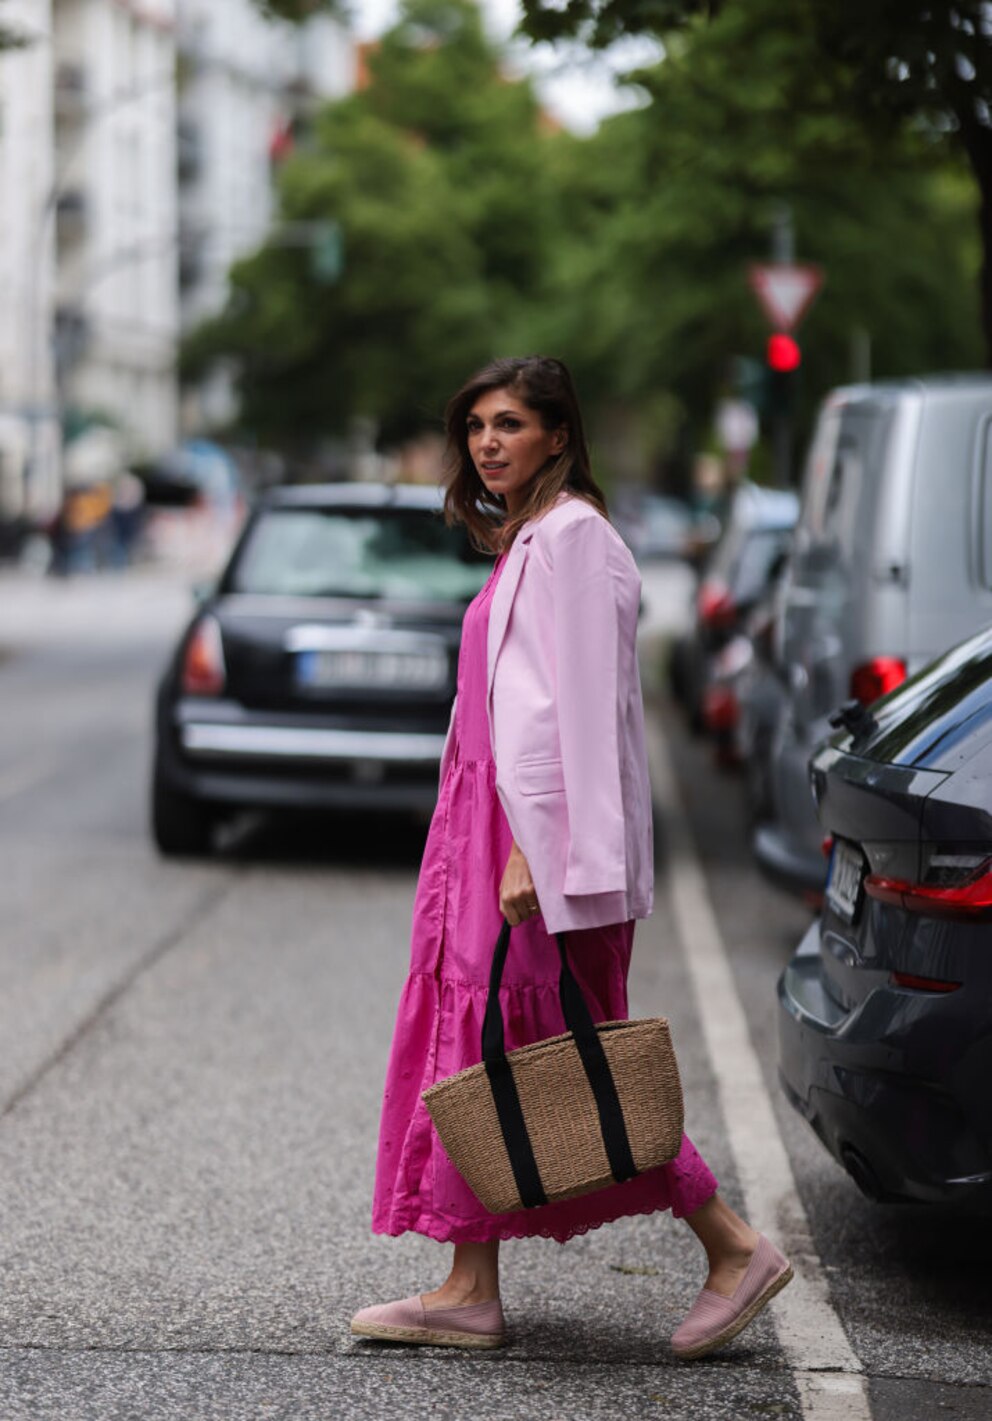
{"x":577,"y":89}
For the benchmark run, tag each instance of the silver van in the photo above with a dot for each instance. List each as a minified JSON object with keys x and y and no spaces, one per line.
{"x":891,"y":564}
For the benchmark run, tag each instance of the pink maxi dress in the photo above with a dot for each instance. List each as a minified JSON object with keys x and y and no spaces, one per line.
{"x":456,"y":920}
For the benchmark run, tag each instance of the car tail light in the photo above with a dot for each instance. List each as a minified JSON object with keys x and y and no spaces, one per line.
{"x":827,"y":845}
{"x":721,"y":709}
{"x":714,"y":605}
{"x":969,"y":898}
{"x":922,"y":984}
{"x":876,"y":677}
{"x":204,"y":673}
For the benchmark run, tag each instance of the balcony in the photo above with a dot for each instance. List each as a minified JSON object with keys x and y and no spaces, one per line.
{"x":192,"y":255}
{"x":189,"y":150}
{"x":72,"y":336}
{"x":71,"y":91}
{"x":71,"y":210}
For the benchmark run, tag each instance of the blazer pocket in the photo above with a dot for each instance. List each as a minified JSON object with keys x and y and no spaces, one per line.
{"x":540,"y":777}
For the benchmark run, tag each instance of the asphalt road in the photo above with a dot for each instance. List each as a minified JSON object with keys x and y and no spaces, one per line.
{"x":190,"y":1062}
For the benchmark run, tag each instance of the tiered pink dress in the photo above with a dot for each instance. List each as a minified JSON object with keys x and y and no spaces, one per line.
{"x":456,"y":920}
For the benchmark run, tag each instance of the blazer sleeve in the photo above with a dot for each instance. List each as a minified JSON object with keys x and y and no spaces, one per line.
{"x":587,"y":645}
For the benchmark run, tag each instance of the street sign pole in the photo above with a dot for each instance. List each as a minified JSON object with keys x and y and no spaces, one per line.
{"x":785,"y":290}
{"x":782,"y":424}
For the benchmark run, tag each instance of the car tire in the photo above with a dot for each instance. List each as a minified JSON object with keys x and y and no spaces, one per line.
{"x":182,"y":826}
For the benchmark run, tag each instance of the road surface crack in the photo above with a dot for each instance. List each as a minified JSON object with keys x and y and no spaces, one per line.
{"x":206,"y":903}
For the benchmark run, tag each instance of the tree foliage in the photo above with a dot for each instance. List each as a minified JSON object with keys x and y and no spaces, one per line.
{"x":432,"y":174}
{"x":676,"y":199}
{"x":471,"y":229}
{"x":901,"y":63}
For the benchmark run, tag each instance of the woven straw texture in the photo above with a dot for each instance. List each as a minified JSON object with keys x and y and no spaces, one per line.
{"x":560,"y":1113}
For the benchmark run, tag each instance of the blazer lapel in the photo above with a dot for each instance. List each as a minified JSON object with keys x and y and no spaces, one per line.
{"x":500,"y":608}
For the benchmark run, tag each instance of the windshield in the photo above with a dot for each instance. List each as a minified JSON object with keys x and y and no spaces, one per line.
{"x":401,"y":554}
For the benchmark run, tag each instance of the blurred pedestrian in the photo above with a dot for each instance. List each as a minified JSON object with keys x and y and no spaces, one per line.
{"x":126,"y":515}
{"x":544,"y":817}
{"x":85,"y":525}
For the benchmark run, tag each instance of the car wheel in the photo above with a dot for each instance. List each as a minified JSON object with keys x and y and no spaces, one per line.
{"x":181,"y":826}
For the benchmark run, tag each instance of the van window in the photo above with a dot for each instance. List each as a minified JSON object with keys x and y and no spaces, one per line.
{"x":844,"y":477}
{"x":985,"y":509}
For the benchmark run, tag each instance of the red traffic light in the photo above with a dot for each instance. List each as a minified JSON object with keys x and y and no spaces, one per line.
{"x":783,"y":354}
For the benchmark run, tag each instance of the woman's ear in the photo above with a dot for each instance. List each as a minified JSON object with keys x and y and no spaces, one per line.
{"x":559,"y":439}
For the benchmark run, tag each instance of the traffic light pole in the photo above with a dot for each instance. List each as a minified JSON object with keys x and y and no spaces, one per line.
{"x":783,"y":253}
{"x":782,"y":448}
{"x":785,"y":290}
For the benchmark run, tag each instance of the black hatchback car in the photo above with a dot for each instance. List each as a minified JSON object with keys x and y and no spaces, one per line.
{"x":886,"y":1008}
{"x":320,"y":672}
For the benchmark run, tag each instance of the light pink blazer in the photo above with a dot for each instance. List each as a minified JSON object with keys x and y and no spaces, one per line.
{"x":566,"y":718}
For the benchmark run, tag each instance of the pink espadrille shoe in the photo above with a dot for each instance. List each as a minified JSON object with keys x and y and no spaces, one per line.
{"x":713,"y":1319}
{"x":474,"y":1325}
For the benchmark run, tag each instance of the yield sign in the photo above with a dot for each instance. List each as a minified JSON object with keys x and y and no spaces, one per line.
{"x":785,"y":291}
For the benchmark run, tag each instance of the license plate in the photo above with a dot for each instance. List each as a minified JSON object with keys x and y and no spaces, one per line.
{"x":370,"y":670}
{"x":847,"y":867}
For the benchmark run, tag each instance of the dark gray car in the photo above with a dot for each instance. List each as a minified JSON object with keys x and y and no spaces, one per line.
{"x":884,"y":1022}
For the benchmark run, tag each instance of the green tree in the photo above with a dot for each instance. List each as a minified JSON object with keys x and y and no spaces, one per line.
{"x":907,"y":64}
{"x":431,"y":176}
{"x":666,"y":206}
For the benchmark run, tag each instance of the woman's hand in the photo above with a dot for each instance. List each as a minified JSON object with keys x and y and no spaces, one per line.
{"x":517,"y":894}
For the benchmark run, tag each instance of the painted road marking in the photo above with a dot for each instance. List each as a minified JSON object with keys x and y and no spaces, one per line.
{"x":827,"y":1372}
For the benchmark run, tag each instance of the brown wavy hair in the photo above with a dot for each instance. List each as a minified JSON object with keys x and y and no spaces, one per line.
{"x":543,"y":385}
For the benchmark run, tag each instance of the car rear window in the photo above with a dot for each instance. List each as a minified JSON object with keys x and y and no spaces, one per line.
{"x":401,"y":554}
{"x":939,"y":717}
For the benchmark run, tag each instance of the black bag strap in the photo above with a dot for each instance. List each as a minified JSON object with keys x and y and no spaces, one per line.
{"x":593,"y":1057}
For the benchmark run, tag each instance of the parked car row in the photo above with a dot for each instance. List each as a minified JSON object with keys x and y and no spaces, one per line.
{"x":858,"y":696}
{"x":736,"y":583}
{"x":890,"y":565}
{"x":826,"y":657}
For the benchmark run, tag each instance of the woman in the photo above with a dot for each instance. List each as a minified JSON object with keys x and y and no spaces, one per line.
{"x":544,"y":817}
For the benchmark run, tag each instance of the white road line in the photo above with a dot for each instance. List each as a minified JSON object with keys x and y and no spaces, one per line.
{"x":21,"y":777}
{"x":826,"y":1370}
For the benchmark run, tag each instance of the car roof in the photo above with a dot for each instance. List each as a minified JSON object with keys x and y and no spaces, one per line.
{"x":974,"y":382}
{"x":354,"y":496}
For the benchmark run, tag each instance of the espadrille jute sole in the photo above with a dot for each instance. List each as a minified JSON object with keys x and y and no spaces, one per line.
{"x":739,"y":1323}
{"x":428,"y":1336}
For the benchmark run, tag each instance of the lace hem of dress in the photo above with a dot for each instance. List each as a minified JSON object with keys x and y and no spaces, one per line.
{"x":482,"y":1232}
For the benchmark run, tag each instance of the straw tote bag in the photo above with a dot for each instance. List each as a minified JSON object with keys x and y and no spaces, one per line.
{"x":565,"y":1116}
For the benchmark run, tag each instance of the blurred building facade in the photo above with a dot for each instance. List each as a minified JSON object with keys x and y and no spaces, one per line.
{"x":117,"y":315}
{"x":139,"y":141}
{"x":246,"y":87}
{"x":29,"y":435}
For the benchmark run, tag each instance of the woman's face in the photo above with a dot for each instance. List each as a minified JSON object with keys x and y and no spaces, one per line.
{"x":508,"y":445}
